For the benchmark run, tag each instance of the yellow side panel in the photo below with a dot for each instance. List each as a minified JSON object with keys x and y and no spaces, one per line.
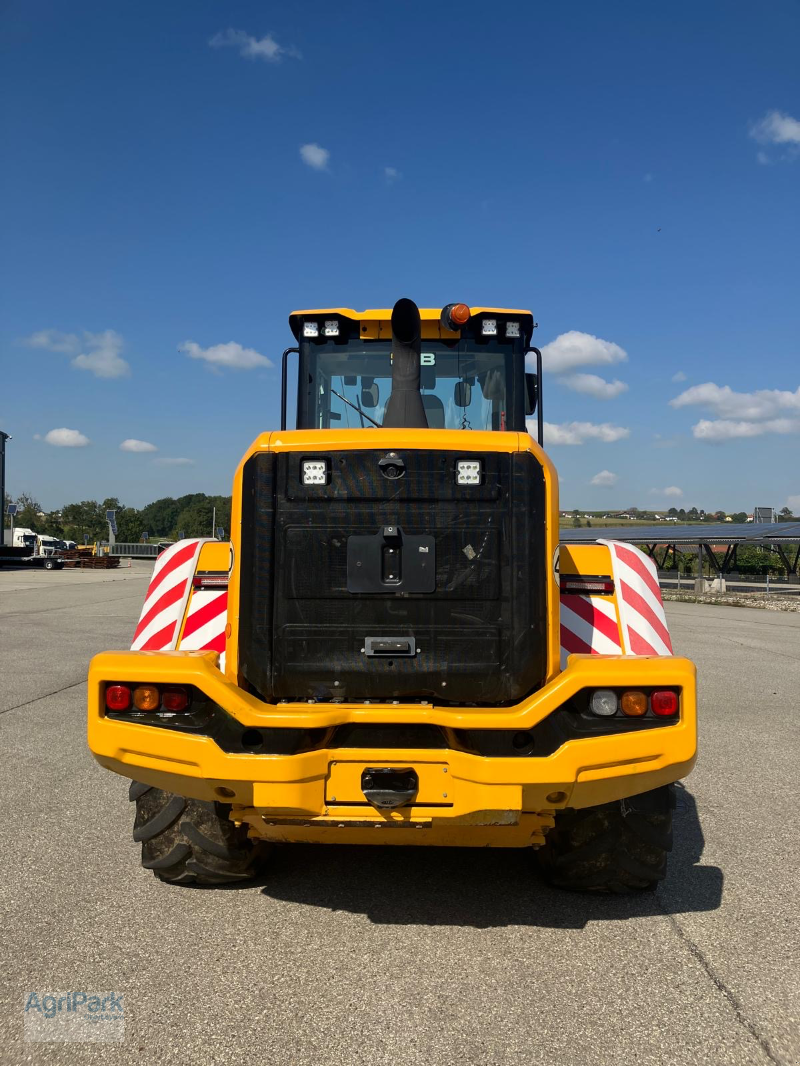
{"x":215,"y":556}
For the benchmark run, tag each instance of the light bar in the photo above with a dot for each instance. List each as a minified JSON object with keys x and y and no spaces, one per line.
{"x":468,"y":472}
{"x":512,"y":329}
{"x":315,"y":471}
{"x":310,"y":329}
{"x":331,"y":327}
{"x":489,"y":327}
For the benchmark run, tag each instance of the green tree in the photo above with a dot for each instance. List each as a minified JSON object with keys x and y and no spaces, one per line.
{"x":84,"y":518}
{"x":160,"y":518}
{"x":28,"y":511}
{"x":739,"y":516}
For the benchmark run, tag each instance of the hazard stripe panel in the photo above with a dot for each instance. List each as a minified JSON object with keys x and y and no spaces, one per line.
{"x":167,"y":596}
{"x":205,"y":622}
{"x":632,"y":623}
{"x":641,"y":609}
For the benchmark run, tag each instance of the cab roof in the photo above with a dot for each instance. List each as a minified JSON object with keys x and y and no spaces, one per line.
{"x":376,"y":322}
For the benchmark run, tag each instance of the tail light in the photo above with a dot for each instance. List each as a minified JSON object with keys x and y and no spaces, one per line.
{"x":118,"y":697}
{"x":634,"y":704}
{"x":604,"y":702}
{"x":664,"y":703}
{"x":146,"y":698}
{"x":175,"y":699}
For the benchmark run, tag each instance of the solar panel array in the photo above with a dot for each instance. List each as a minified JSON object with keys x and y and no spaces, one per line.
{"x":674,"y":533}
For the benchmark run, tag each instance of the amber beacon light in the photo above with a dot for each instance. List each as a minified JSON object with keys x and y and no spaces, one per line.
{"x":455,"y":316}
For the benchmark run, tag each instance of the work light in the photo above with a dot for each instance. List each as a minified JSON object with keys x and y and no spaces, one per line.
{"x":489,"y":327}
{"x":468,"y":472}
{"x":315,"y":471}
{"x":310,"y":329}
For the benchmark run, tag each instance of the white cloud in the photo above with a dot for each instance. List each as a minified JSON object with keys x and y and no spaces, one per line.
{"x":763,"y":159}
{"x":314,"y":156}
{"x":66,"y":438}
{"x":776,"y":128}
{"x":741,"y":414}
{"x":722,"y":401}
{"x":101,"y":356}
{"x":573,"y":349}
{"x":230,"y":355}
{"x":678,"y":376}
{"x":670,"y":490}
{"x":728,"y":429}
{"x":605,"y":479}
{"x":593,"y":385}
{"x":392,"y":174}
{"x":134,"y":445}
{"x":580,"y":432}
{"x":54,"y":341}
{"x":250,"y":47}
{"x":178,"y":461}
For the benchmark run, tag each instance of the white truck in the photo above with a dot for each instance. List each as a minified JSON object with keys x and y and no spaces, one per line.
{"x":40,"y":549}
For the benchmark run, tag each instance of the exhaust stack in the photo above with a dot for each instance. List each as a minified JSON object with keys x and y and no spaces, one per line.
{"x":405,"y":409}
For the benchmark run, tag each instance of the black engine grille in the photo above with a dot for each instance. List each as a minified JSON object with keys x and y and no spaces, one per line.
{"x":480,"y":636}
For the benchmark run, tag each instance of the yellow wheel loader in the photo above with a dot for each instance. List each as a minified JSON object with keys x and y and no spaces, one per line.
{"x":394,"y":648}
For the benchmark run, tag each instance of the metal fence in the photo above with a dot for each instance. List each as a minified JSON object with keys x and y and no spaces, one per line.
{"x":133,"y":551}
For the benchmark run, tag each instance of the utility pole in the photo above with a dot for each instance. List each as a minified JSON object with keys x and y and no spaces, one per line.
{"x":3,"y":438}
{"x":214,"y":522}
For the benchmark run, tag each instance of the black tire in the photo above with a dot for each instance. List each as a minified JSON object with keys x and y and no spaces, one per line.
{"x":617,"y":847}
{"x":49,"y":564}
{"x":187,"y":841}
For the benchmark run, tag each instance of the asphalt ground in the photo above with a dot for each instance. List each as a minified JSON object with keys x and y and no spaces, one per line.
{"x":393,"y":955}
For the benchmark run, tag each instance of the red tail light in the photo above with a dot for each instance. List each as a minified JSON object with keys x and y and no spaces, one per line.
{"x":174,"y":699}
{"x":664,"y":703}
{"x":118,"y":697}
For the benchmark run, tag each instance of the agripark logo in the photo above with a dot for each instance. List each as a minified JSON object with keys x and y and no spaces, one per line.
{"x":75,"y":1017}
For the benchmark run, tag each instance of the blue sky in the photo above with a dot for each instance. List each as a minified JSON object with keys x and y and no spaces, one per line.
{"x":178,"y":177}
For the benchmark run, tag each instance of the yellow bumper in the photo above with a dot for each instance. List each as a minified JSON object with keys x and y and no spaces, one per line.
{"x":464,"y":799}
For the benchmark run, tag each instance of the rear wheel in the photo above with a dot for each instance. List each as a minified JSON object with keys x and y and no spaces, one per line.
{"x":187,"y":841}
{"x":616,"y":847}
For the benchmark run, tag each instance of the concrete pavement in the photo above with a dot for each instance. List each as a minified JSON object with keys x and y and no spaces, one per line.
{"x":399,"y":956}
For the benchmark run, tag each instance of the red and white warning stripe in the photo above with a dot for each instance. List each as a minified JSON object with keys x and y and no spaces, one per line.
{"x":204,"y":628}
{"x":588,"y":626}
{"x":167,"y":596}
{"x":641,"y":609}
{"x":632,"y":623}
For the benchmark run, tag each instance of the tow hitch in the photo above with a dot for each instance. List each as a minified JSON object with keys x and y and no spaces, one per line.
{"x":386,"y":787}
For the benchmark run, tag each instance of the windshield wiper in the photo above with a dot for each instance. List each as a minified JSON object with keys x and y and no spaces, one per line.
{"x":358,"y":409}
